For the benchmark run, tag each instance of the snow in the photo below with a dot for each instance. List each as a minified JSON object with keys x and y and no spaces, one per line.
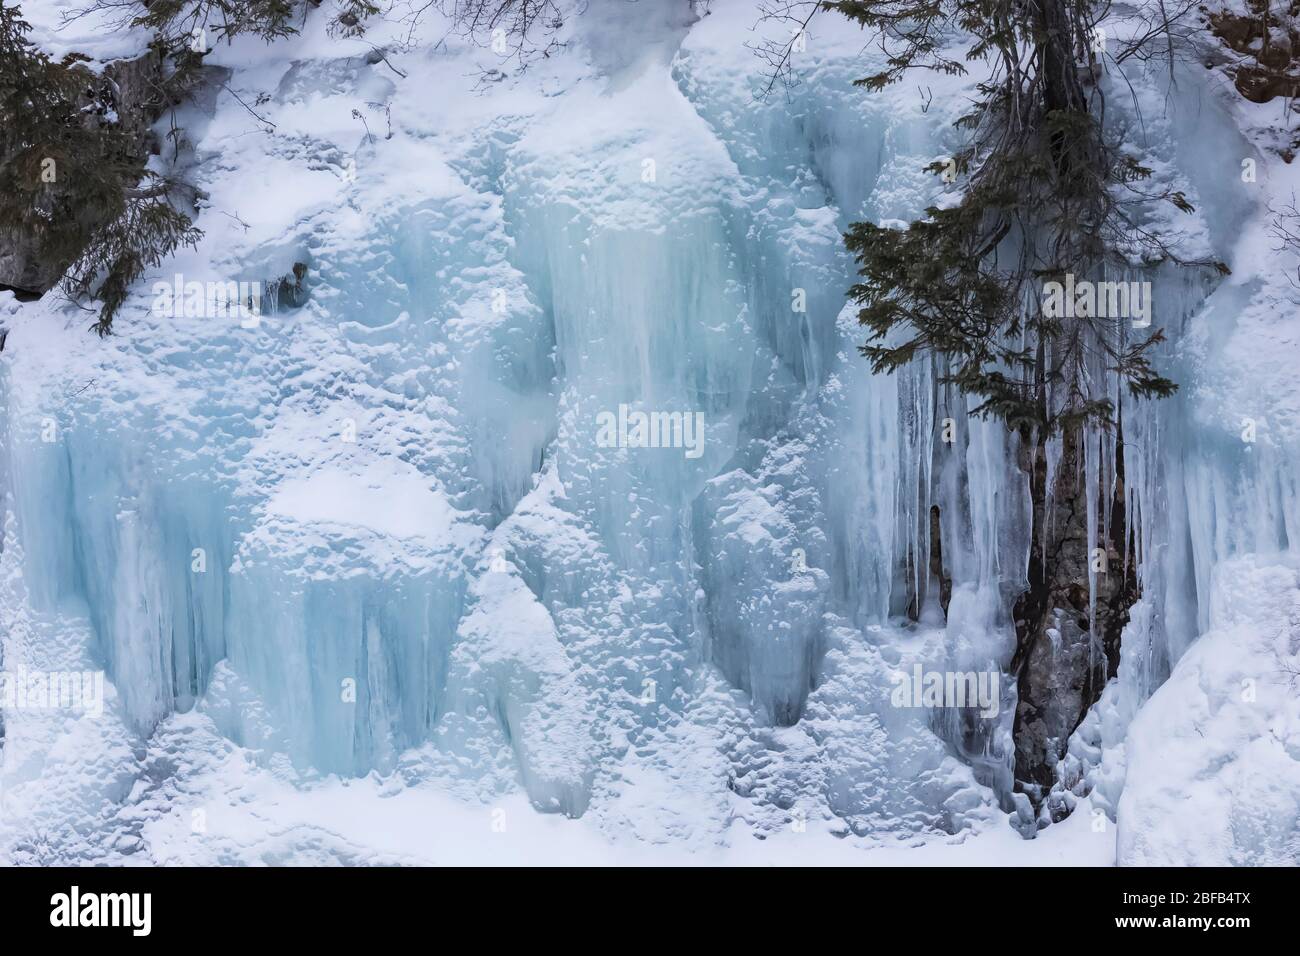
{"x":1214,"y":756}
{"x":433,"y":604}
{"x":383,"y":497}
{"x":100,"y":32}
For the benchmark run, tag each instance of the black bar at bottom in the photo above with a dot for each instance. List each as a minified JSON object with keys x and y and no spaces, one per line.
{"x":335,"y":906}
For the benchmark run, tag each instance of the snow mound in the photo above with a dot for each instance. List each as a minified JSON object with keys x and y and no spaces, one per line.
{"x":1214,"y":756}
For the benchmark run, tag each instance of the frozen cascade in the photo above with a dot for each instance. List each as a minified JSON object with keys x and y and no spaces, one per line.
{"x":381,"y":533}
{"x":1208,"y":501}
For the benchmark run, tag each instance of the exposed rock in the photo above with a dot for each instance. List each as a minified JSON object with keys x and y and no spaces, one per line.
{"x":130,"y":93}
{"x":1266,"y":41}
{"x":21,"y":268}
{"x":290,"y":291}
{"x":1065,"y":651}
{"x":937,"y":572}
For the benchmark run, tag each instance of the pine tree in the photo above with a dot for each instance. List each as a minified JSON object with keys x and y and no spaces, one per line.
{"x":1045,"y":195}
{"x":964,"y":283}
{"x":189,"y":20}
{"x":73,"y":181}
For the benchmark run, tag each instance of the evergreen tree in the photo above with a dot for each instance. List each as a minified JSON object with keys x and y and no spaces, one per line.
{"x":72,"y":179}
{"x":1045,"y":195}
{"x":183,"y":21}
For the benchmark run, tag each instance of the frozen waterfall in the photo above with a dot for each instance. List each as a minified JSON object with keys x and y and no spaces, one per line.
{"x":382,"y":539}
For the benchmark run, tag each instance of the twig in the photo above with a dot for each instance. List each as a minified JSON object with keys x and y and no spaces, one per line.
{"x":357,"y":114}
{"x":260,"y":118}
{"x":380,"y":54}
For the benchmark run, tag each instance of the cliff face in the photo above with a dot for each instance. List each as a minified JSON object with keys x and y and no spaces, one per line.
{"x":129,"y":93}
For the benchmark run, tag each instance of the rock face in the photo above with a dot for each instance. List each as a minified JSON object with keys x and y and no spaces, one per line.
{"x":1265,"y":42}
{"x":21,"y":267}
{"x":1066,"y":650}
{"x":141,"y":92}
{"x":130,"y":93}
